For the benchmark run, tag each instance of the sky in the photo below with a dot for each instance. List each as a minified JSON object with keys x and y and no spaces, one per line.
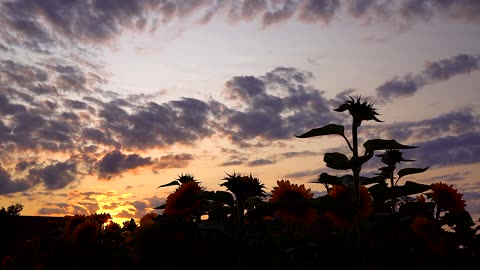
{"x":103,"y":101}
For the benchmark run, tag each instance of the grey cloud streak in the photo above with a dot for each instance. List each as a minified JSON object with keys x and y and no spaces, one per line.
{"x":444,"y":69}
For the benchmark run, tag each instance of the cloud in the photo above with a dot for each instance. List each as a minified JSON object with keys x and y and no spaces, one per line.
{"x":58,"y":106}
{"x":115,"y":163}
{"x":450,"y":150}
{"x":409,"y":84}
{"x":452,"y":177}
{"x":232,"y":162}
{"x":300,"y":154}
{"x":312,"y":11}
{"x":173,"y":161}
{"x":54,"y":176}
{"x":449,"y":139}
{"x":275,"y":106}
{"x":45,"y":27}
{"x":9,"y":185}
{"x":405,"y":13}
{"x":260,"y":162}
{"x":42,"y":25}
{"x":451,"y":123}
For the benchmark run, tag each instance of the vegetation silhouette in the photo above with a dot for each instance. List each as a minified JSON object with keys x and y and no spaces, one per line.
{"x":362,"y":222}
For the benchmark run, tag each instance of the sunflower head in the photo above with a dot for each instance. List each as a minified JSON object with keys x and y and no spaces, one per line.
{"x":243,"y":186}
{"x":446,"y":197}
{"x":71,"y":223}
{"x":345,"y":205}
{"x":148,"y":219}
{"x":423,"y":226}
{"x":184,"y":200}
{"x":391,"y":157}
{"x":294,"y":207}
{"x":86,"y":232}
{"x":359,"y":109}
{"x":184,"y":178}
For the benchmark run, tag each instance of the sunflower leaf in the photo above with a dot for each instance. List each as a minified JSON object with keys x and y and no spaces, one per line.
{"x":410,"y":188}
{"x":326,"y":178}
{"x":330,"y":129}
{"x":336,"y":161}
{"x":379,"y":144}
{"x":407,"y":171}
{"x":372,"y":180}
{"x":173,"y":183}
{"x":219,"y":196}
{"x":161,"y":206}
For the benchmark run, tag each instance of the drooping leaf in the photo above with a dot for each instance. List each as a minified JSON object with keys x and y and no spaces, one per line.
{"x":380,"y":144}
{"x":336,"y":161}
{"x":330,"y":129}
{"x":372,"y":180}
{"x":326,"y":178}
{"x":219,"y":196}
{"x":342,"y":107}
{"x":407,"y":171}
{"x":380,"y":192}
{"x":173,"y":183}
{"x":410,"y":188}
{"x":345,"y":180}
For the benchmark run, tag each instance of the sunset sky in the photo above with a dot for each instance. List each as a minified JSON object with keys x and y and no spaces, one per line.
{"x":103,"y":101}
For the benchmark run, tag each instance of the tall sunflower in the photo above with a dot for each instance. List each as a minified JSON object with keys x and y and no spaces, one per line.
{"x":345,"y":211}
{"x":183,"y":201}
{"x":446,"y":197}
{"x":243,"y":187}
{"x":294,"y":207}
{"x":360,"y":110}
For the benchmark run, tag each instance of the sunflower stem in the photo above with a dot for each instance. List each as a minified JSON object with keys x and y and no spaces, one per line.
{"x":437,"y":218}
{"x":357,"y":167}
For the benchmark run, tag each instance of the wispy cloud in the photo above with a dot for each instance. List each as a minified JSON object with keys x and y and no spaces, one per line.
{"x":409,"y":84}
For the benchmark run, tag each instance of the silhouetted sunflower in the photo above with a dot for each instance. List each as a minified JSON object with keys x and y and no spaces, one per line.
{"x":392,"y":156}
{"x":360,"y":110}
{"x":86,"y":232}
{"x":243,"y":187}
{"x":183,"y":201}
{"x":423,"y":226}
{"x":446,"y":197}
{"x":294,"y":207}
{"x":345,"y":210}
{"x":71,"y":224}
{"x":148,"y":219}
